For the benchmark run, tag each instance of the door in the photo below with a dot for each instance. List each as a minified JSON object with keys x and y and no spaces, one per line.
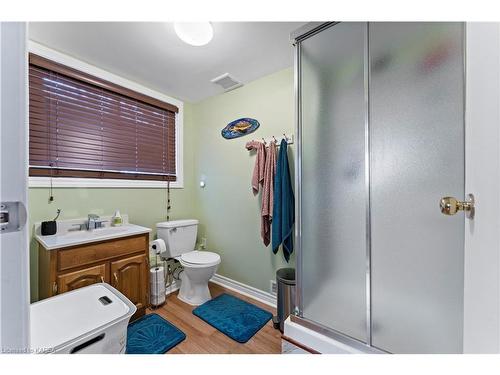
{"x":78,"y":279}
{"x":129,"y":276}
{"x":416,"y":113}
{"x":14,"y":250}
{"x":333,"y":192}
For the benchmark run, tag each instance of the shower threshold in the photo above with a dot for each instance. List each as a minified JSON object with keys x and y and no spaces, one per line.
{"x":320,"y":339}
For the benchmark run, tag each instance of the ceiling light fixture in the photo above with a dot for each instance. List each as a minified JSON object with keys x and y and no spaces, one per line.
{"x":194,"y":33}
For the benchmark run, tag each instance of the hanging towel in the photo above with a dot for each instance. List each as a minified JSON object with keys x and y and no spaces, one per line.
{"x":268,"y":195}
{"x":258,"y":169}
{"x":284,"y":205}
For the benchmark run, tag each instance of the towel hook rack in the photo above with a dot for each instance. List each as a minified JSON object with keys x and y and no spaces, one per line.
{"x":272,"y":139}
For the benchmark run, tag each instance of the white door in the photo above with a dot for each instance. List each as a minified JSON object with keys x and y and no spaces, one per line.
{"x":14,"y":252}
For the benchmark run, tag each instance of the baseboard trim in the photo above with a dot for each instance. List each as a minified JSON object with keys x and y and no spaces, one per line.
{"x":246,"y":290}
{"x":226,"y":282}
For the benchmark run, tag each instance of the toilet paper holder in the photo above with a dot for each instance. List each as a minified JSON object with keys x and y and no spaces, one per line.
{"x":157,"y":246}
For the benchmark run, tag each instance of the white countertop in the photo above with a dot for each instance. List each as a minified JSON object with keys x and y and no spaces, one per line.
{"x":68,"y":234}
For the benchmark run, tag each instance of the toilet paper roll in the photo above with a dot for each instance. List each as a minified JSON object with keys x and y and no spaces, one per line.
{"x":157,"y":246}
{"x":157,"y":280}
{"x":157,"y":274}
{"x":157,"y":285}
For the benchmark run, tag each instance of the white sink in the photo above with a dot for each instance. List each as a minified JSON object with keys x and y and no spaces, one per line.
{"x":96,"y":232}
{"x":67,"y":236}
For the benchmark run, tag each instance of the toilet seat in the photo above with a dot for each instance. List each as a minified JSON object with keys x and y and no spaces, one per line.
{"x":199,"y":259}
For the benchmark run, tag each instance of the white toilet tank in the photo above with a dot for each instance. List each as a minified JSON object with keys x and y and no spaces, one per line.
{"x":179,"y":236}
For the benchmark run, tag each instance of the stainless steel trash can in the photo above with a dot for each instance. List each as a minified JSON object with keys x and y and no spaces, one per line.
{"x":285,"y":279}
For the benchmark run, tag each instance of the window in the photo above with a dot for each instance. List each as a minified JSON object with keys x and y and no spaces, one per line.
{"x":82,"y":126}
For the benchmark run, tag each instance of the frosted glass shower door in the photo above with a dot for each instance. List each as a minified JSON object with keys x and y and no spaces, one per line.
{"x":333,"y":220}
{"x":417,"y":156}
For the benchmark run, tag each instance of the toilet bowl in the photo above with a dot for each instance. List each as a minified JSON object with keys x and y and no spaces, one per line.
{"x":198,"y":266}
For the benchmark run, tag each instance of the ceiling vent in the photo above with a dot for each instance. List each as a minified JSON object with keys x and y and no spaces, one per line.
{"x":227,"y":82}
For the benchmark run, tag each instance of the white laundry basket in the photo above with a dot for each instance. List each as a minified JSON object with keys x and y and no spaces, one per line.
{"x":92,"y":319}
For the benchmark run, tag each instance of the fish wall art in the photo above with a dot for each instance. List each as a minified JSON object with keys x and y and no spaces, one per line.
{"x":239,"y":128}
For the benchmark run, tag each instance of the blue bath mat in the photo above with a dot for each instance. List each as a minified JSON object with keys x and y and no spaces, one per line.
{"x":152,"y":334}
{"x":235,"y":318}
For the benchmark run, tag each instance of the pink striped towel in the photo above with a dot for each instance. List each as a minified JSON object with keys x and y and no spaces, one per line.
{"x":267,"y":194}
{"x":258,"y":170}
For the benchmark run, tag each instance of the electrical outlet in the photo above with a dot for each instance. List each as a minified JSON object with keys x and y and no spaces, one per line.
{"x":273,"y":287}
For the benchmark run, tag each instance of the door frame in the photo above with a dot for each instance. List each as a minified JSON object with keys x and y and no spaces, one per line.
{"x":14,"y":245}
{"x":482,"y":178}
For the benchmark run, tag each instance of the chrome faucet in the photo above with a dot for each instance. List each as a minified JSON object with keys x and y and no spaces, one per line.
{"x":94,"y":222}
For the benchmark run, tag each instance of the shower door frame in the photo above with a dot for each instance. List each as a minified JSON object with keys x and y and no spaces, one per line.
{"x":297,"y":38}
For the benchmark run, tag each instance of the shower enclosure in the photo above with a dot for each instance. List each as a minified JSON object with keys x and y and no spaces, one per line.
{"x":380,"y":125}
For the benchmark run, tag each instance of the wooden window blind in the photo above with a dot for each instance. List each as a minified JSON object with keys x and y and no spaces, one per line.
{"x":81,"y":126}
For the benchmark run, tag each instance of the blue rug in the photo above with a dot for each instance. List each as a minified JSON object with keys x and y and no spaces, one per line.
{"x":235,"y":318}
{"x":152,"y":334}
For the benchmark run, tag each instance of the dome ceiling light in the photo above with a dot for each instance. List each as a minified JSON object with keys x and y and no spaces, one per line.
{"x":194,"y":33}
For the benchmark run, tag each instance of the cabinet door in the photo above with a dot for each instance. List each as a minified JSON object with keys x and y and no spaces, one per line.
{"x":129,"y":276}
{"x":77,"y":279}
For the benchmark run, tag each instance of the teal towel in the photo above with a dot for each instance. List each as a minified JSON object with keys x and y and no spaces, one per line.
{"x":283,"y":205}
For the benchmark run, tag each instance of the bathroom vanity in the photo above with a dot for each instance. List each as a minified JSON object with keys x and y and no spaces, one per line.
{"x":73,"y":259}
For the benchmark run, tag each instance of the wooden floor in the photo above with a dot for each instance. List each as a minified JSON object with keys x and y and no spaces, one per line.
{"x":202,"y":338}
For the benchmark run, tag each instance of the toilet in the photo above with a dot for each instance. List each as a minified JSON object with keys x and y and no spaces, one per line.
{"x":199,"y":266}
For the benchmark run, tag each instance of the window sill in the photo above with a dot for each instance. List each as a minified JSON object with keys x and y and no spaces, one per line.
{"x":65,"y":182}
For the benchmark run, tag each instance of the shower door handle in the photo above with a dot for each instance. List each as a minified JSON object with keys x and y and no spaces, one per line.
{"x":451,"y":205}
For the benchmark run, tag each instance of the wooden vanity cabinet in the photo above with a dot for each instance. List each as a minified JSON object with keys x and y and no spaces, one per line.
{"x":121,"y":262}
{"x":77,"y":279}
{"x":128,"y":276}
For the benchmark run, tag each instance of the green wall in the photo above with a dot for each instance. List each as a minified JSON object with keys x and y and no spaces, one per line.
{"x":229,"y":213}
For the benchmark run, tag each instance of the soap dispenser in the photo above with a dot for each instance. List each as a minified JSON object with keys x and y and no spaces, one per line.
{"x":117,"y":219}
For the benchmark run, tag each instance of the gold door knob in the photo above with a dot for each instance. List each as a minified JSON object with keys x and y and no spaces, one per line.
{"x":451,"y":205}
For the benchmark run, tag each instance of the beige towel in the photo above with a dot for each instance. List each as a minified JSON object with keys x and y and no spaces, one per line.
{"x":258,"y":170}
{"x":267,"y":194}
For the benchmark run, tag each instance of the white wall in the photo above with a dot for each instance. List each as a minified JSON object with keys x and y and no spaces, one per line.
{"x":482,"y":238}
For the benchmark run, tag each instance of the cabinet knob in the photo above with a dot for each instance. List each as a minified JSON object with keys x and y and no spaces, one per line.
{"x":116,"y":277}
{"x":102,"y":278}
{"x":54,"y":287}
